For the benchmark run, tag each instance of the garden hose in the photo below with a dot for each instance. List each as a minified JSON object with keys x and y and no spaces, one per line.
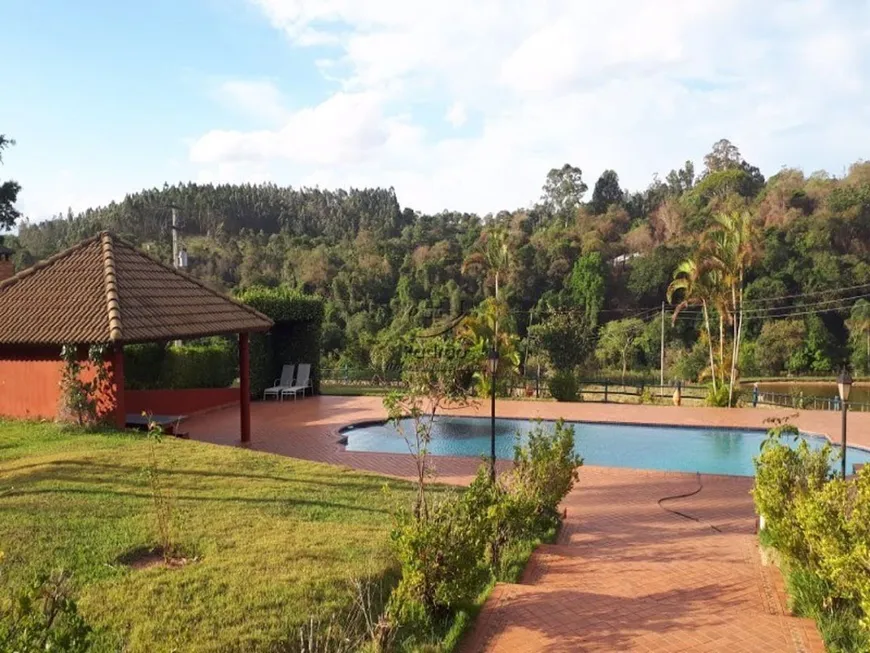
{"x":686,"y":496}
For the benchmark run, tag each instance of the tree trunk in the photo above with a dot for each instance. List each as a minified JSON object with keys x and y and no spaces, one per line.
{"x":722,"y":344}
{"x":624,"y":363}
{"x":736,"y":342}
{"x":710,"y":344}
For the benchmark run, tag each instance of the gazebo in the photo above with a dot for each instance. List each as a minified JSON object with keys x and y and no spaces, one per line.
{"x":104,"y":291}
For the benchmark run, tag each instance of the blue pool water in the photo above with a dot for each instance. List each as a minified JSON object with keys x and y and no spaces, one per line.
{"x":668,"y":448}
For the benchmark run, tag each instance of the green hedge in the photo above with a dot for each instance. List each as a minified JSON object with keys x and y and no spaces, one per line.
{"x":143,"y":364}
{"x":201,"y":366}
{"x":209,"y":364}
{"x":295,"y":338}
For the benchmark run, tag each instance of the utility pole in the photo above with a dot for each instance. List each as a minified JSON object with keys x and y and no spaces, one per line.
{"x":177,"y":343}
{"x":174,"y":237}
{"x":662,"y":374}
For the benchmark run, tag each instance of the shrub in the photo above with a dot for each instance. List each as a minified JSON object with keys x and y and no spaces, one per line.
{"x":43,"y":617}
{"x":563,"y":386}
{"x":717,"y":398}
{"x":822,"y":526}
{"x":81,"y":396}
{"x":545,"y":470}
{"x":835,"y":520}
{"x":504,"y":516}
{"x":442,"y":560}
{"x":783,"y":475}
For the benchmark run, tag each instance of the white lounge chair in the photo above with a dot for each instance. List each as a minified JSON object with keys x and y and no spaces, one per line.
{"x":303,"y":382}
{"x":284,"y":383}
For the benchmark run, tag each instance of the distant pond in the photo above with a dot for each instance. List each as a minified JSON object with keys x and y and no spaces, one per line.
{"x":860,"y":391}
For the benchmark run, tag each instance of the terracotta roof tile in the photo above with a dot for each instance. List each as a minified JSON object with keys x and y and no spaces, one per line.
{"x":105,"y":290}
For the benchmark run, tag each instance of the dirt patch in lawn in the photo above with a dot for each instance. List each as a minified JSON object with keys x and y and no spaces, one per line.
{"x":146,"y":558}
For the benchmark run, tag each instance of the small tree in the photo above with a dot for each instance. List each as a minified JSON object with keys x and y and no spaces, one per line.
{"x":161,"y":496}
{"x":81,"y":398}
{"x":436,"y":374}
{"x":619,"y":341}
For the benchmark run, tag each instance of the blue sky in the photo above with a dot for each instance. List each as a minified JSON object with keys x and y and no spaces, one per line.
{"x":455,"y":104}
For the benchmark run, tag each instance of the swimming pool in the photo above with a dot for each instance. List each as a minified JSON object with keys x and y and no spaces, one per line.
{"x":707,"y":450}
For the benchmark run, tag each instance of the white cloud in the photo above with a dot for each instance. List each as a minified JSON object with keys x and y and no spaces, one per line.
{"x":256,"y":98}
{"x":345,"y":128}
{"x":626,"y":84}
{"x":456,"y":115}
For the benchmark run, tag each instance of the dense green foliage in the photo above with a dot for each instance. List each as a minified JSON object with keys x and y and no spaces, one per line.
{"x":820,"y":524}
{"x":384,"y":270}
{"x":295,"y":338}
{"x":209,"y":364}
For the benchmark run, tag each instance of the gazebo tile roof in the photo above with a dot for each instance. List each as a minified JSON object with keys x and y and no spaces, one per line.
{"x":104,"y":290}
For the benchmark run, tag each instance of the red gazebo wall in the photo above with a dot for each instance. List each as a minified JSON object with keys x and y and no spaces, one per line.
{"x":30,"y":382}
{"x":30,"y":389}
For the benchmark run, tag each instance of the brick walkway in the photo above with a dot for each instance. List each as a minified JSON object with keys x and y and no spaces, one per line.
{"x":626,"y":574}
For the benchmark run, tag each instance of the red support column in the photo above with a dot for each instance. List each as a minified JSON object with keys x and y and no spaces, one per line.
{"x":245,"y":386}
{"x":118,"y":386}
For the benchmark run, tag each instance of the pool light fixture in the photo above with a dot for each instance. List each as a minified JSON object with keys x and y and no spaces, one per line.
{"x":844,"y":385}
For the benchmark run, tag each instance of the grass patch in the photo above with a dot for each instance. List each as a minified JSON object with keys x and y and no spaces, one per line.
{"x":271,"y":541}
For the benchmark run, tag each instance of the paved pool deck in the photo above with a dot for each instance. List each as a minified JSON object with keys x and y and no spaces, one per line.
{"x":628,"y":573}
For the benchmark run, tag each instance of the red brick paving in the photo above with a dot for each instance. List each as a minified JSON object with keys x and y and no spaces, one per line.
{"x":626,"y":574}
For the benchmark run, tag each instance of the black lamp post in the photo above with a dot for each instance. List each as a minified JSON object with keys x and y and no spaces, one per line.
{"x":492,"y":361}
{"x":844,"y":385}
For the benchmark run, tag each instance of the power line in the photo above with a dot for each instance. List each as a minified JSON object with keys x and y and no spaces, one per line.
{"x":809,"y":294}
{"x":797,"y":313}
{"x":694,"y":312}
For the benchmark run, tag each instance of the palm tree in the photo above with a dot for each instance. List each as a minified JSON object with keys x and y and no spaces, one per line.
{"x":698,"y":287}
{"x":494,"y":257}
{"x":729,"y":251}
{"x":482,"y":333}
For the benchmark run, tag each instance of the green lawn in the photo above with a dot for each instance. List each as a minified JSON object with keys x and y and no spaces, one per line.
{"x":276,"y":539}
